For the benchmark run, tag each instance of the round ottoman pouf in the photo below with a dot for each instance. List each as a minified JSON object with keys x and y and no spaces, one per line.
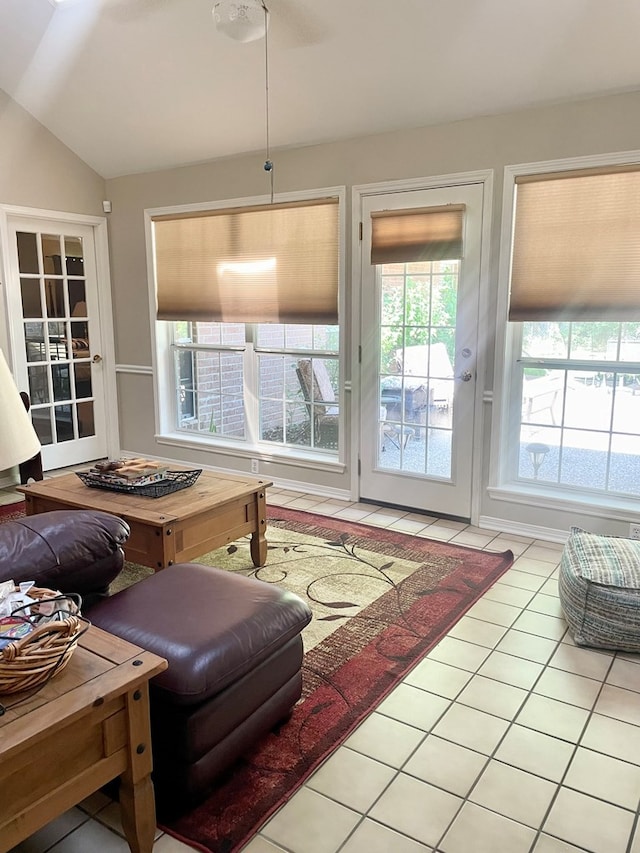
{"x":599,"y":590}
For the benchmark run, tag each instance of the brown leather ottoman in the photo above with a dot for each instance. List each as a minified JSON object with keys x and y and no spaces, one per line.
{"x":234,"y":650}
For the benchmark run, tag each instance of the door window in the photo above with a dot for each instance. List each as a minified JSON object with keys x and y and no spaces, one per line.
{"x":56,"y":335}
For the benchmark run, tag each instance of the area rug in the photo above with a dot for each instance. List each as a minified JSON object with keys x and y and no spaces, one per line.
{"x":380,"y":600}
{"x":11,"y":512}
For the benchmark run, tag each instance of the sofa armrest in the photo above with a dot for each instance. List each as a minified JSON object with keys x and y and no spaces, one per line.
{"x":72,"y":551}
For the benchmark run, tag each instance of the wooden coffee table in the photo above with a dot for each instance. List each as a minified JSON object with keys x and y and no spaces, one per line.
{"x":176,"y":528}
{"x":86,"y":726}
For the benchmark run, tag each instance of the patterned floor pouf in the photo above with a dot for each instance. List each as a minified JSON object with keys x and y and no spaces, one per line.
{"x":599,"y":590}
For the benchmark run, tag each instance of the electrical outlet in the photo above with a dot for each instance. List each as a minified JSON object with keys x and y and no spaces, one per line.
{"x":255,"y":469}
{"x":634,"y":531}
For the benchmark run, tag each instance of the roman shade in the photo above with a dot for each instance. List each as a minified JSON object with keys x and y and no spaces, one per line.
{"x":268,"y":264}
{"x":576,"y":246}
{"x":417,"y":234}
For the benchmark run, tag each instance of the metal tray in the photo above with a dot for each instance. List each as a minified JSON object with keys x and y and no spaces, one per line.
{"x":173,"y":482}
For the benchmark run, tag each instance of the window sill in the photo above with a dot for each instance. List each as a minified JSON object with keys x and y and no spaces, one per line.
{"x":619,"y":509}
{"x":286,"y":456}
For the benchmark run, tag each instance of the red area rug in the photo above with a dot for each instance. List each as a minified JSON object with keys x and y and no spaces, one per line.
{"x":351,"y":670}
{"x":381,"y":600}
{"x":9,"y":512}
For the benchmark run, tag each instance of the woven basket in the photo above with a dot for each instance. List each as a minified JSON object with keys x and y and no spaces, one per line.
{"x":31,"y":661}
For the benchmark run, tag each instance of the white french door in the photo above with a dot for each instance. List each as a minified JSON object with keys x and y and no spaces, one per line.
{"x":54,"y":314}
{"x":418,"y":363}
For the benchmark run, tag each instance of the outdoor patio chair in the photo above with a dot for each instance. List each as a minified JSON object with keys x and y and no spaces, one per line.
{"x":318,"y":391}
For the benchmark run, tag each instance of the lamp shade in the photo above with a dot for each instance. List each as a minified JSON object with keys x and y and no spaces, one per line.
{"x":18,"y":439}
{"x":241,"y":21}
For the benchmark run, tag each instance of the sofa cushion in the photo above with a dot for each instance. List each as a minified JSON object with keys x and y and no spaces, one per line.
{"x":70,"y":550}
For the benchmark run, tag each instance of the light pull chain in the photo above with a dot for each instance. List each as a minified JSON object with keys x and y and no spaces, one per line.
{"x":268,"y":164}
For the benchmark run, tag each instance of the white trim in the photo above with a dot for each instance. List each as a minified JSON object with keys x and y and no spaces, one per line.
{"x":245,"y":451}
{"x":358,"y":193}
{"x":135,"y":368}
{"x":616,"y":509}
{"x":531,"y":531}
{"x":164,"y":402}
{"x":500,"y":487}
{"x":105,"y":307}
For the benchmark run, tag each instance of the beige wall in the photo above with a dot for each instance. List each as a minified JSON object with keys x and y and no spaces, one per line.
{"x":595,"y":126}
{"x":38,"y":171}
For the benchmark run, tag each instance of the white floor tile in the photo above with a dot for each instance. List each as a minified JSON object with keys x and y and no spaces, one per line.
{"x":414,"y":706}
{"x":620,"y":704}
{"x":589,"y":823}
{"x":587,"y":662}
{"x":473,"y":729}
{"x":604,"y":777}
{"x":568,"y":687}
{"x":511,"y":670}
{"x":454,"y":652}
{"x":311,"y":823}
{"x":553,"y":718}
{"x":439,"y":678}
{"x":528,"y":646}
{"x":397,"y":809}
{"x":446,"y":765}
{"x":385,"y":740}
{"x":625,"y":674}
{"x":535,"y":752}
{"x":471,"y":630}
{"x":371,"y":837}
{"x":494,"y":697}
{"x":482,"y":831}
{"x":513,"y":793}
{"x":612,"y":737}
{"x":352,"y":779}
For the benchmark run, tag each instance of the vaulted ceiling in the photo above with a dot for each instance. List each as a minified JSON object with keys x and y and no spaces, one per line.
{"x":136,"y":85}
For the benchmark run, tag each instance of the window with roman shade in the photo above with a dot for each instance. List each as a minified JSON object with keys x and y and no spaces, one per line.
{"x":417,"y":234}
{"x":576,"y":246}
{"x":265,"y":264}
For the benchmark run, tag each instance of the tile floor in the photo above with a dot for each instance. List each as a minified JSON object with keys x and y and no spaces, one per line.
{"x":506,"y":738}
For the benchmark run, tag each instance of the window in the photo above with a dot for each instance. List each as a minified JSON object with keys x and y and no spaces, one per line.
{"x":247,"y":296}
{"x":264,"y":384}
{"x":573,"y":421}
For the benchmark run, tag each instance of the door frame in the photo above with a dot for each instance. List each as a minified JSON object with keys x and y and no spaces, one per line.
{"x":10,"y":297}
{"x":485,"y":348}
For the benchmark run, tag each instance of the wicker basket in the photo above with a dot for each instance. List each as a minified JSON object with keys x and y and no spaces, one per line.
{"x":30,"y":662}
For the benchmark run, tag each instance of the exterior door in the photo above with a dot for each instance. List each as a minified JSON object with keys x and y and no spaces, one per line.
{"x":56,"y":332}
{"x":418,"y":362}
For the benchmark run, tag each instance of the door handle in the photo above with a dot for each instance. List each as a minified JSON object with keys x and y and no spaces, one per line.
{"x":466,"y":376}
{"x":97,"y":358}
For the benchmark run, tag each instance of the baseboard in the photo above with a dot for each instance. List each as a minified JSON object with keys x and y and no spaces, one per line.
{"x":531,"y":531}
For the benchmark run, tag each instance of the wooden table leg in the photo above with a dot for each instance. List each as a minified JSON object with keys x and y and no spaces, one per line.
{"x":137,"y":799}
{"x":258,"y":544}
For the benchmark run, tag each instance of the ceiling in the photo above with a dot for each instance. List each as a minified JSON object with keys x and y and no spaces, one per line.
{"x":137,"y":85}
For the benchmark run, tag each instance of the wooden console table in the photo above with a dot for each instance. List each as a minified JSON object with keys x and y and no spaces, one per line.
{"x":86,"y":726}
{"x":176,"y":528}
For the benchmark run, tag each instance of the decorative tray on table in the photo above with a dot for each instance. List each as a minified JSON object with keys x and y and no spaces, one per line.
{"x":137,"y":477}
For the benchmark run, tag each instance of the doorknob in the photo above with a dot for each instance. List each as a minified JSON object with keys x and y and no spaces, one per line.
{"x":96,"y":359}
{"x":466,"y":376}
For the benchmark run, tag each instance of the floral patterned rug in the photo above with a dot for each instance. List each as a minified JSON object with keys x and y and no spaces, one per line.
{"x":380,"y":601}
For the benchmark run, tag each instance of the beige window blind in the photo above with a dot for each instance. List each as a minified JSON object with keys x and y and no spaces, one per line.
{"x":576,"y":246}
{"x":269,"y":264}
{"x":417,"y":234}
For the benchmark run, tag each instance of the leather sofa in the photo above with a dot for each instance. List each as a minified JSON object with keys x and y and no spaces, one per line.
{"x":233,"y":643}
{"x":79,"y":553}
